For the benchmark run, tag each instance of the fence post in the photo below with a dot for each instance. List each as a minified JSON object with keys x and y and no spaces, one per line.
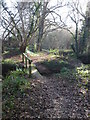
{"x":22,"y":58}
{"x":26,"y":62}
{"x":29,"y":68}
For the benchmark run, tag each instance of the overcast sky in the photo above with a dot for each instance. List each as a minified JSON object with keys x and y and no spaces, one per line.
{"x":52,"y":2}
{"x":62,"y":12}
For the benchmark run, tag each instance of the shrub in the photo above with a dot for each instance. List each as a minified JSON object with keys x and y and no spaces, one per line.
{"x":13,"y":87}
{"x":68,"y":73}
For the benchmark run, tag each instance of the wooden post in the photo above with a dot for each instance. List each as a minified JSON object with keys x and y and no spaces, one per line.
{"x":22,"y":58}
{"x":26,"y":62}
{"x":29,"y":68}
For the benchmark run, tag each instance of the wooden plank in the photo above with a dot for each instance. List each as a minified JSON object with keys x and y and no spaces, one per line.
{"x":29,"y":61}
{"x":26,"y":56}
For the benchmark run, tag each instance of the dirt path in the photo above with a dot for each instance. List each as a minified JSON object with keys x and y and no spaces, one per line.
{"x":52,"y":97}
{"x":62,"y":99}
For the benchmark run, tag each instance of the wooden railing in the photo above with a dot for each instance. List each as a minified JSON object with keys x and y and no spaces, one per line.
{"x":27,"y":62}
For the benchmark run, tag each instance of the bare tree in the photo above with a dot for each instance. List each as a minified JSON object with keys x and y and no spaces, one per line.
{"x":45,"y":24}
{"x":28,"y":19}
{"x":21,"y":23}
{"x":77,"y":16}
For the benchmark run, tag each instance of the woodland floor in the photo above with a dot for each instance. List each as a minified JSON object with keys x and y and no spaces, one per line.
{"x":50,"y":97}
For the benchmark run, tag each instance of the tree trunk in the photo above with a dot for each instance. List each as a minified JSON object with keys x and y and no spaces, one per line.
{"x":23,"y":47}
{"x":76,"y":40}
{"x":39,"y":46}
{"x":41,"y":26}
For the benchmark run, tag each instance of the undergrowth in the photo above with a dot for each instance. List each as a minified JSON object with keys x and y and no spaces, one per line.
{"x":83,"y":72}
{"x":13,"y":86}
{"x":56,"y":64}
